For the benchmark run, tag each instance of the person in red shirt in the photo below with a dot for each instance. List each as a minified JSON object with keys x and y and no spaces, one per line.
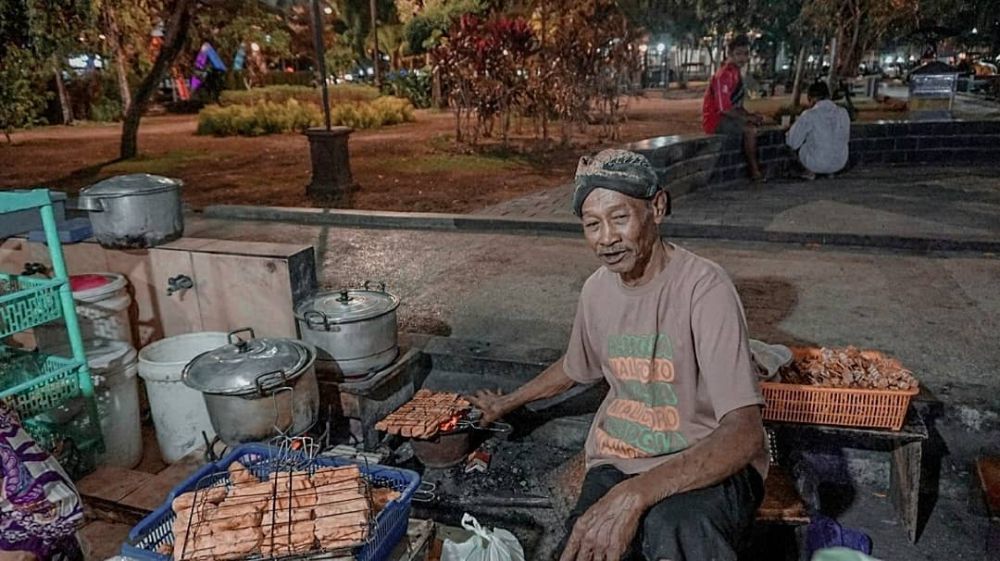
{"x":722,"y":110}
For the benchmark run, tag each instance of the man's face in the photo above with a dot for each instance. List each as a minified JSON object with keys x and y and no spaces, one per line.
{"x":622,"y":230}
{"x":740,"y":56}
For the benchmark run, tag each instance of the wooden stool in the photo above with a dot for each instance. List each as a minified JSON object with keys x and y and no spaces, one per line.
{"x":780,"y":514}
{"x":988,"y":470}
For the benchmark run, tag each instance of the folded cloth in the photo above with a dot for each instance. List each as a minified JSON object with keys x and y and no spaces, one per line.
{"x":769,"y":359}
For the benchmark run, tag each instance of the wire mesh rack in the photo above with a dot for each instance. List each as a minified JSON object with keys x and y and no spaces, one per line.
{"x":279,"y":502}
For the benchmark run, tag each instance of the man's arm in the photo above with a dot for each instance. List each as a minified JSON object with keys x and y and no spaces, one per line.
{"x":738,"y":439}
{"x":550,"y":383}
{"x":607,"y":528}
{"x":797,"y":135}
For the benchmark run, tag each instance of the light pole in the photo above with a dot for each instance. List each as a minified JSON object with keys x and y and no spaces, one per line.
{"x":378,"y":75}
{"x":663,"y":67}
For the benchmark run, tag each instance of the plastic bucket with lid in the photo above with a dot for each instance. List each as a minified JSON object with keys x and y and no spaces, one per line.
{"x":179,"y":412}
{"x":113,"y":368}
{"x":102,"y":308}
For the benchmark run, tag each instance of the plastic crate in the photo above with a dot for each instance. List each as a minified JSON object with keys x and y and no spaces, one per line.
{"x":26,"y":302}
{"x":795,"y":403}
{"x":34,"y":382}
{"x":390,"y":524}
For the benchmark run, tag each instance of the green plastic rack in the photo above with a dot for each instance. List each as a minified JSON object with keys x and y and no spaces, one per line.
{"x":35,"y":383}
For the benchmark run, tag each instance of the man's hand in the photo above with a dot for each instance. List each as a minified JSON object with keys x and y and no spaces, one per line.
{"x":606,"y":530}
{"x":757,"y":119}
{"x":491,"y":403}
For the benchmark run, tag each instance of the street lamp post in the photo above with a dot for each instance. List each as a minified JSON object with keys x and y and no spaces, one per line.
{"x":331,"y":167}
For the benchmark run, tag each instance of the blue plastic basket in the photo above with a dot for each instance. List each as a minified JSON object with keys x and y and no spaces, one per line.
{"x":261,"y":460}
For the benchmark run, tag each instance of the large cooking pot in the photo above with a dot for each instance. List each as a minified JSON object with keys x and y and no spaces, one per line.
{"x":134,"y":211}
{"x":256,"y":389}
{"x":353,"y":330}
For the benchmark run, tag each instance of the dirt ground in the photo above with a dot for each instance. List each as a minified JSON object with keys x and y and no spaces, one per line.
{"x":410,"y":167}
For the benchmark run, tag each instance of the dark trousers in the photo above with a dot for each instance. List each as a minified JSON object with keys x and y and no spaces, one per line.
{"x":710,"y":524}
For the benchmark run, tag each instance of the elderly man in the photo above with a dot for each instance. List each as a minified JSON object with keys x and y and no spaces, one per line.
{"x":676,"y":455}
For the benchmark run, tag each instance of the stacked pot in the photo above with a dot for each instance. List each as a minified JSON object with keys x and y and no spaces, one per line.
{"x":257,"y":388}
{"x":354,"y":330}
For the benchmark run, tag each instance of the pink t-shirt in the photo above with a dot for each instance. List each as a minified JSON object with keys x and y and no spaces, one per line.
{"x":675,"y":353}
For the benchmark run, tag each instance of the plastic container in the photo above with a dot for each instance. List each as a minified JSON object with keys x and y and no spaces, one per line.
{"x":390,"y":524}
{"x":113,"y":367}
{"x":795,"y":403}
{"x":102,"y":309}
{"x":179,"y":412}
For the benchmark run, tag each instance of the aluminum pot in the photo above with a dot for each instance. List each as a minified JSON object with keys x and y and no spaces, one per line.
{"x":257,"y":389}
{"x":354,"y":330}
{"x":134,"y":211}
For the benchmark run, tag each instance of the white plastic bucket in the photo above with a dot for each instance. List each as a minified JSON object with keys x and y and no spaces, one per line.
{"x":101,"y":311}
{"x":113,"y":368}
{"x":179,"y":412}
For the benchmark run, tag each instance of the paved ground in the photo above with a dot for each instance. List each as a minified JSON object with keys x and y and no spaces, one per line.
{"x":930,"y":202}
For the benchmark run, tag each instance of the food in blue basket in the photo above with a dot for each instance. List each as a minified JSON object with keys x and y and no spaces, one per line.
{"x":291,"y":513}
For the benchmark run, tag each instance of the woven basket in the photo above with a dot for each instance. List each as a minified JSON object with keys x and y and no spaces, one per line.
{"x":795,"y":403}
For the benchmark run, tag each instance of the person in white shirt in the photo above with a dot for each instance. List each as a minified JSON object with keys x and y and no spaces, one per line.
{"x":821,"y":134}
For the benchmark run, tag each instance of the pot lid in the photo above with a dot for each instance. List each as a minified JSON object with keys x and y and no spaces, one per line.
{"x":346,"y":306}
{"x":132,"y":184}
{"x":248,"y":367}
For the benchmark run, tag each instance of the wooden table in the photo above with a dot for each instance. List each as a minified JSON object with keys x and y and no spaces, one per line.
{"x":906,"y":449}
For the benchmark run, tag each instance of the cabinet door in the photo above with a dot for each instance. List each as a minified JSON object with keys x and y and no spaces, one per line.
{"x":180,"y":312}
{"x":237,"y":291}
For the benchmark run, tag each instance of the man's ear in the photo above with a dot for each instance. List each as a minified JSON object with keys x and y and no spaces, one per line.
{"x":661,"y":205}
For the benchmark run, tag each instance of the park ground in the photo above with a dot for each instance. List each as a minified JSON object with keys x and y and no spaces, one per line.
{"x":411,"y":167}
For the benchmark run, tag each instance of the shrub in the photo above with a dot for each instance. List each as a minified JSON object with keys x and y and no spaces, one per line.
{"x":302,"y":94}
{"x":410,"y":85}
{"x":259,"y":119}
{"x":106,"y":111}
{"x":269,"y":117}
{"x":381,"y":112}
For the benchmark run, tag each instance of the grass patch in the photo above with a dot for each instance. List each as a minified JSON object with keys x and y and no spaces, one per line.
{"x":453,"y":163}
{"x":158,"y":164}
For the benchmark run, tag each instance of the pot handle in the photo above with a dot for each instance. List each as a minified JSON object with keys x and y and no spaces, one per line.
{"x":90,"y":204}
{"x":316,"y":317}
{"x":381,"y":285}
{"x":258,"y":381}
{"x":241,"y":343}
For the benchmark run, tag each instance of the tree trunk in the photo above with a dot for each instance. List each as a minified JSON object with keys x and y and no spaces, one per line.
{"x":797,"y":84}
{"x":121,"y":60}
{"x":177,"y":30}
{"x":64,"y":102}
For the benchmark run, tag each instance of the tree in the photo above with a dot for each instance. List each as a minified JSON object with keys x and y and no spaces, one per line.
{"x":125,"y":26}
{"x":50,"y":31}
{"x":858,"y":25}
{"x":20,"y":98}
{"x":177,"y":26}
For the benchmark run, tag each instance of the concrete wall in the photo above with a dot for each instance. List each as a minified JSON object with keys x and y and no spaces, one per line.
{"x":689,"y":162}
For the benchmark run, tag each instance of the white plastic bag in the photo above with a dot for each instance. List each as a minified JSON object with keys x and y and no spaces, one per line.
{"x":498,"y":545}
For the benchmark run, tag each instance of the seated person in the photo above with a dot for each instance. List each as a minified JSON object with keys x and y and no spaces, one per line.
{"x":821,"y":134}
{"x":40,"y":509}
{"x":722,"y":109}
{"x":676,"y":455}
